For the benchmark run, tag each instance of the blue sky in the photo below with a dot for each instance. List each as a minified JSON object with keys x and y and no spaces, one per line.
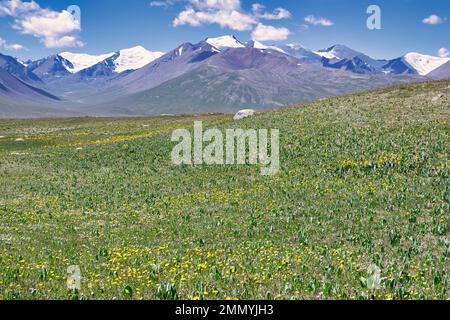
{"x":42,"y":28}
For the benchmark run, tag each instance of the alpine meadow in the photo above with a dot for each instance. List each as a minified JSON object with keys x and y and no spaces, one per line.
{"x":358,"y":210}
{"x":224,"y":159}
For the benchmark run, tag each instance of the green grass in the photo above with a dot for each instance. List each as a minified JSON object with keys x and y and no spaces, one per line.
{"x":364,"y":181}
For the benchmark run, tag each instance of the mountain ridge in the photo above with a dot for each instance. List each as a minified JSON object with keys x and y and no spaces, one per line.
{"x":220,"y":73}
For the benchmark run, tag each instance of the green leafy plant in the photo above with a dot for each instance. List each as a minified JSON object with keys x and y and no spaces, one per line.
{"x":373,"y":279}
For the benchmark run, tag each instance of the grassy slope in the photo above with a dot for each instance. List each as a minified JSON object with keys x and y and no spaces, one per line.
{"x":133,"y":221}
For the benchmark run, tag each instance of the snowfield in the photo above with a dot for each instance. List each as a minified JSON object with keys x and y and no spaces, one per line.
{"x":81,"y":61}
{"x":424,"y":64}
{"x":135,"y":58}
{"x":225,"y":42}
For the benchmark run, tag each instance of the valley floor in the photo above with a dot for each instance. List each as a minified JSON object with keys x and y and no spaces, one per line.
{"x":363,"y":183}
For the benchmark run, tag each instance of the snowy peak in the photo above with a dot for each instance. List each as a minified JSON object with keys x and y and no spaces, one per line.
{"x":81,"y":61}
{"x":134,"y":58}
{"x":424,"y":64}
{"x":299,"y":52}
{"x":123,"y":60}
{"x":338,"y":52}
{"x":326,"y":54}
{"x":258,"y":45}
{"x":294,"y":46}
{"x":182,"y":49}
{"x":343,"y":57}
{"x":225,"y":42}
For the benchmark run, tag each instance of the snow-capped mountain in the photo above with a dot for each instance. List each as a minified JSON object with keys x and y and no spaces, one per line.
{"x":258,"y":45}
{"x":123,"y":61}
{"x":50,"y":68}
{"x":343,"y":57}
{"x":326,"y":54}
{"x":81,"y":61}
{"x":415,"y":63}
{"x":67,"y":63}
{"x":424,"y":64}
{"x":398,"y":66}
{"x":134,"y":58}
{"x":131,"y":59}
{"x":301,"y":53}
{"x":224,"y":42}
{"x":355,"y":65}
{"x":169,"y":66}
{"x":341,"y":52}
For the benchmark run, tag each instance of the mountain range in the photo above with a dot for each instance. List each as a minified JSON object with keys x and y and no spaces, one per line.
{"x":215,"y":75}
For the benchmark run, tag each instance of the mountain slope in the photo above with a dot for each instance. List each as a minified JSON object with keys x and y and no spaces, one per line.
{"x":21,"y":100}
{"x":17,"y":69}
{"x":443,"y":72}
{"x":355,"y":64}
{"x":51,"y":68}
{"x":13,"y":88}
{"x":399,"y":66}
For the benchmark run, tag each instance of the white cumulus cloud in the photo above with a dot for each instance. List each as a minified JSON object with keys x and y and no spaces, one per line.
{"x":54,"y":29}
{"x":232,"y":19}
{"x":16,"y":7}
{"x":443,"y":53}
{"x":162,"y":3}
{"x":10,"y":46}
{"x":266,"y":33}
{"x":226,"y":13}
{"x":229,"y":14}
{"x":278,"y":14}
{"x":318,"y":21}
{"x":217,"y":4}
{"x":433,"y":20}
